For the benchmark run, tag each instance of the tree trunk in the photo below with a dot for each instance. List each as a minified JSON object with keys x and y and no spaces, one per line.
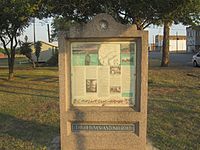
{"x":11,"y":68}
{"x":32,"y":61}
{"x":11,"y":55}
{"x":165,"y":49}
{"x":37,"y":61}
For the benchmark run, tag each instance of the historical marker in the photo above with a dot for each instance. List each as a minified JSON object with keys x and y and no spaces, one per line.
{"x":103,"y":86}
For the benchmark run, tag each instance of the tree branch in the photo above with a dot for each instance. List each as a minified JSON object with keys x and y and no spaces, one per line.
{"x":16,"y":43}
{"x":125,"y":14}
{"x":143,"y":23}
{"x":147,"y":25}
{"x":8,"y":33}
{"x":7,"y":42}
{"x":4,"y":45}
{"x":11,"y":43}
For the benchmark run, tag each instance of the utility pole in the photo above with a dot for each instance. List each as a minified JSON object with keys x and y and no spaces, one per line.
{"x":48,"y":30}
{"x":34,"y":40}
{"x":46,"y":22}
{"x":176,"y":42}
{"x":153,"y":43}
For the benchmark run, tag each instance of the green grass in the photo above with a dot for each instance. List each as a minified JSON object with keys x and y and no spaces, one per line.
{"x":29,"y":108}
{"x":174,"y":108}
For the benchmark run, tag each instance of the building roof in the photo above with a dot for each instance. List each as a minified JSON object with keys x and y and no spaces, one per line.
{"x":54,"y":44}
{"x":50,"y":44}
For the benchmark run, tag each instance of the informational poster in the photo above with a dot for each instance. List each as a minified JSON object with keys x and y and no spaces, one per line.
{"x":103,"y":73}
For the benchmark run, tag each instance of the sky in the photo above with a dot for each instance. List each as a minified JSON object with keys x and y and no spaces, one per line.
{"x":174,"y":30}
{"x":42,"y":34}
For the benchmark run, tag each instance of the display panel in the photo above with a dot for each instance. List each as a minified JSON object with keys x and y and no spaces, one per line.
{"x":103,"y":73}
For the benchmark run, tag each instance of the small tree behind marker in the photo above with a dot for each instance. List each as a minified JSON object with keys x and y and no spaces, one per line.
{"x":37,"y":50}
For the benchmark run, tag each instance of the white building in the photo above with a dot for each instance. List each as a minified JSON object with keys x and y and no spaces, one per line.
{"x":176,"y":43}
{"x":193,"y":39}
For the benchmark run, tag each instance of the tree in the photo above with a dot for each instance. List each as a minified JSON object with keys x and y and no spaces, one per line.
{"x":127,"y":12}
{"x":2,"y":51}
{"x":139,"y":12}
{"x":177,"y":11}
{"x":59,"y":23}
{"x":37,"y":50}
{"x":25,"y":49}
{"x":14,"y":17}
{"x":159,"y":12}
{"x":77,"y":10}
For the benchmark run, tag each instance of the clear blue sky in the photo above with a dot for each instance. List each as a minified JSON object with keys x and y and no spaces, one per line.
{"x":41,"y":31}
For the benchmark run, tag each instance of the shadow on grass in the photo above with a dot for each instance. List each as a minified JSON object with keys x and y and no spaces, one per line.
{"x":164,"y":85}
{"x":47,"y":79}
{"x":38,"y":134}
{"x":177,"y":66}
{"x":38,"y":78}
{"x":27,"y":88}
{"x":40,"y":95}
{"x":32,"y":79}
{"x":174,"y":106}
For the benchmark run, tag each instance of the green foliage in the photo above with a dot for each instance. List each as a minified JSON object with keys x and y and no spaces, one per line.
{"x":178,"y":11}
{"x":76,"y":10}
{"x":60,"y":24}
{"x":2,"y":51}
{"x":25,"y":49}
{"x":17,"y":51}
{"x":190,"y":14}
{"x":139,"y":12}
{"x":38,"y":45}
{"x":145,"y":12}
{"x":14,"y":18}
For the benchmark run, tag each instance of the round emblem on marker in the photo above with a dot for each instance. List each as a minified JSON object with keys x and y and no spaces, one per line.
{"x":103,"y":25}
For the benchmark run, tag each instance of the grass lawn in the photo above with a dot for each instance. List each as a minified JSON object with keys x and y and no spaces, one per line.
{"x":29,"y":108}
{"x":174,"y":107}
